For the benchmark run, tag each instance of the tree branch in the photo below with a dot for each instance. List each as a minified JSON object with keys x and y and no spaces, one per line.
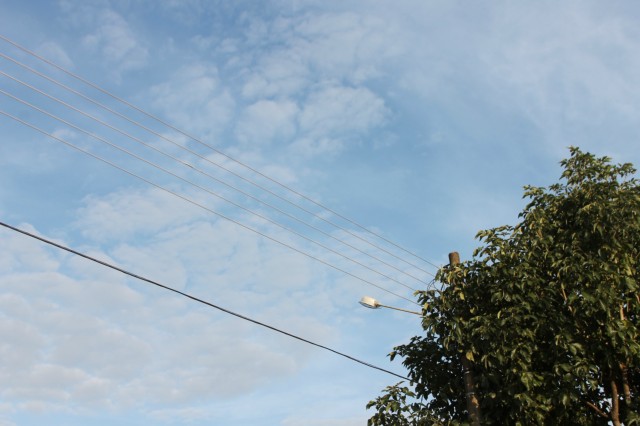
{"x":597,"y":410}
{"x":564,"y":296}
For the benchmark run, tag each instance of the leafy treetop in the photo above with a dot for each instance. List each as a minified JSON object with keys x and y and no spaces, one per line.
{"x":546,"y":313}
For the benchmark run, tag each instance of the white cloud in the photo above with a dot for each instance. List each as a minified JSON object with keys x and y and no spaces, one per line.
{"x":167,"y":265}
{"x":129,"y":213}
{"x":314,"y":147}
{"x":52,"y":356}
{"x":347,"y":45}
{"x":180,"y":415}
{"x":323,"y":62}
{"x":256,"y":159}
{"x":113,"y":38}
{"x":55,"y":53}
{"x":341,"y":111}
{"x":566,"y":66}
{"x":73,"y":333}
{"x":4,"y":422}
{"x":278,"y":74}
{"x":194,"y":99}
{"x":565,"y":70}
{"x":316,"y":47}
{"x":267,"y":120}
{"x":21,"y":342}
{"x":26,"y":254}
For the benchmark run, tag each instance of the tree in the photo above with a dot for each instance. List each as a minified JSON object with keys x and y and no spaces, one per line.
{"x":546,"y":313}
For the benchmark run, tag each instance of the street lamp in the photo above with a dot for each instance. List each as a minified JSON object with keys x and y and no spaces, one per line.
{"x":371,"y":303}
{"x":472,"y":401}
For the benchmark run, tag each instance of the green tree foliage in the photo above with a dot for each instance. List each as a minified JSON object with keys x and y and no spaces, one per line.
{"x":546,"y":313}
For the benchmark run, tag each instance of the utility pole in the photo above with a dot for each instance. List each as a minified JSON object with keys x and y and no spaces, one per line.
{"x":473,"y":407}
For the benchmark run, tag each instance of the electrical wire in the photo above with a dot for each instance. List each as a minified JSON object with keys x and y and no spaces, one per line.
{"x":200,"y":171}
{"x":152,"y":164}
{"x":34,"y":127}
{"x":196,"y":299}
{"x":130,"y":105}
{"x":204,"y":158}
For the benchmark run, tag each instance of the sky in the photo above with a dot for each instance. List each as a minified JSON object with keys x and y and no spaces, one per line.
{"x":403,"y":127}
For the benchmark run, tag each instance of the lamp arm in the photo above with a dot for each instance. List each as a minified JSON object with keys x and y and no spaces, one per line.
{"x":400,"y":309}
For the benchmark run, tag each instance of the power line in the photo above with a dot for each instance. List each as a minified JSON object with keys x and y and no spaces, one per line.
{"x":204,"y":158}
{"x":101,"y":139}
{"x":204,"y":302}
{"x":299,"y":194}
{"x":34,"y":127}
{"x":200,"y":171}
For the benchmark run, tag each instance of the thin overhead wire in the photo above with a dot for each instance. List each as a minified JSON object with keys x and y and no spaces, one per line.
{"x":200,"y":171}
{"x":204,"y":158}
{"x":202,"y":188}
{"x":159,"y":120}
{"x":187,"y":199}
{"x":196,"y":299}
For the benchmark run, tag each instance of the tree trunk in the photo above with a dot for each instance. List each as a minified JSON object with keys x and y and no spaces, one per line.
{"x":473,"y":406}
{"x":472,"y":400}
{"x":615,"y":404}
{"x":626,"y":390}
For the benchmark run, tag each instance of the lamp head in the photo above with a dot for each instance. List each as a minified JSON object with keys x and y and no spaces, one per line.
{"x":369,"y":302}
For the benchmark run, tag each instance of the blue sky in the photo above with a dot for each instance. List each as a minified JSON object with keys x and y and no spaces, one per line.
{"x":420,"y":120}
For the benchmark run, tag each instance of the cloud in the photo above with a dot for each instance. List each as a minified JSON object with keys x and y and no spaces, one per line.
{"x":574,"y":66}
{"x":267,"y":120}
{"x":305,"y":78}
{"x":294,"y":53}
{"x":26,"y":254}
{"x":347,"y":45}
{"x":195,"y":99}
{"x":73,"y":332}
{"x":339,"y":110}
{"x":56,"y":349}
{"x":181,"y":415}
{"x":4,"y":422}
{"x":130,"y":213}
{"x":55,"y":53}
{"x":307,"y":147}
{"x":21,"y":341}
{"x":113,"y":38}
{"x":563,"y":71}
{"x":279,"y":73}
